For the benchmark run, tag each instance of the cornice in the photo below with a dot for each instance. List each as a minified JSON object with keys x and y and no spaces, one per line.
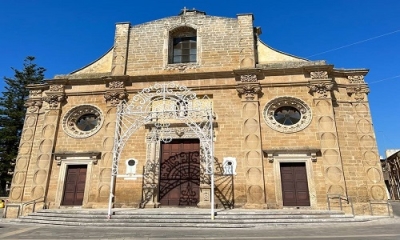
{"x":349,"y":72}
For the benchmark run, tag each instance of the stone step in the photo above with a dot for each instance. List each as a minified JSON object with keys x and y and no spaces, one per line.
{"x":184,"y":216}
{"x":205,"y":223}
{"x":235,"y":218}
{"x":160,"y":211}
{"x":168,"y":220}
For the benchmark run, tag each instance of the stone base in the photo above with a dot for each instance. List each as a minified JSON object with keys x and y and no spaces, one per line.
{"x":152,"y":205}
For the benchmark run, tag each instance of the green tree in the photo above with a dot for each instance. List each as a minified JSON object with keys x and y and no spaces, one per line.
{"x":12,"y":115}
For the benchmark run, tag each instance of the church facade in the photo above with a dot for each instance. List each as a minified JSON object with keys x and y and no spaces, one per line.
{"x":192,"y":106}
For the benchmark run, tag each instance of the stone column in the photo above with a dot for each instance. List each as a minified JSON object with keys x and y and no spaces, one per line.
{"x":249,"y":89}
{"x":320,"y":86}
{"x":120,"y":52}
{"x":19,"y":191}
{"x":373,"y":176}
{"x":115,"y":93}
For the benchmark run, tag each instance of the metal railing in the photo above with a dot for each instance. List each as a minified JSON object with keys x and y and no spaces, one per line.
{"x":340,"y":198}
{"x":371,"y":202}
{"x":21,"y":206}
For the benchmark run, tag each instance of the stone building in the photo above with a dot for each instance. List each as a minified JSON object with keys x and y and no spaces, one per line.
{"x":391,"y":173}
{"x":188,"y":102}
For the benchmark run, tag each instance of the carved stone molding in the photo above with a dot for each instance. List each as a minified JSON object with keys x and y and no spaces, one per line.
{"x":74,"y":125}
{"x":116,"y":84}
{"x":249,"y":91}
{"x":37,"y":93}
{"x":319,"y":75}
{"x":356,"y":79}
{"x":358,"y":92}
{"x":56,"y":88}
{"x":94,"y":156}
{"x":281,"y":107}
{"x":321,"y":88}
{"x":113,"y":98}
{"x":312,"y":153}
{"x":181,"y":66}
{"x":248,"y":78}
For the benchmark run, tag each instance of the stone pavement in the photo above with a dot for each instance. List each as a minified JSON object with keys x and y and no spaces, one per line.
{"x":382,"y":229}
{"x":387,"y":228}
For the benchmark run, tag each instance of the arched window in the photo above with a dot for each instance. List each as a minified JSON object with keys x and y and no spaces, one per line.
{"x":183,"y":45}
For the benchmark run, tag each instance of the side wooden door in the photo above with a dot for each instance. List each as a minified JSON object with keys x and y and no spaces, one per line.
{"x":74,"y":185}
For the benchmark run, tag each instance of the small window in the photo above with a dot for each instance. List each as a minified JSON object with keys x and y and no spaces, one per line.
{"x":183,"y":46}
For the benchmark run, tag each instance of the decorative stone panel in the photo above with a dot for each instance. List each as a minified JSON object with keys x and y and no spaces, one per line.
{"x":25,"y":154}
{"x":252,"y":163}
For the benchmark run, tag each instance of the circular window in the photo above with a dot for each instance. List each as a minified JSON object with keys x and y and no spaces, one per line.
{"x":82,"y":121}
{"x":287,"y":114}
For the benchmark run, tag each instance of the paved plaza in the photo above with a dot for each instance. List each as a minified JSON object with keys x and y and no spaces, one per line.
{"x":388,"y":228}
{"x":382,"y":229}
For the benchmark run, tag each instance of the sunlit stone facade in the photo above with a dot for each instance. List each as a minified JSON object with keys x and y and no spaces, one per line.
{"x":287,"y":132}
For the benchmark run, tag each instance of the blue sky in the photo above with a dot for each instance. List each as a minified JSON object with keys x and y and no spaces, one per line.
{"x":66,"y":35}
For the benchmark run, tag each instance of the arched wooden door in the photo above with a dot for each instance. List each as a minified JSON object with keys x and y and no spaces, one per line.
{"x":180,"y":173}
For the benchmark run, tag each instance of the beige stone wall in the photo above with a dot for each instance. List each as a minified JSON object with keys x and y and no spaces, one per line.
{"x":217,"y":40}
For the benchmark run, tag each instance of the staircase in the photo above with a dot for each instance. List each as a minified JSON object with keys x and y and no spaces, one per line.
{"x":185,"y":217}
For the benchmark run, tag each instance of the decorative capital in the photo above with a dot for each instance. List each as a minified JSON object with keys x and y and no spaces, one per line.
{"x":249,"y":91}
{"x":33,"y":105}
{"x":356,"y":79}
{"x":113,"y":98}
{"x":248,"y":78}
{"x":358,"y":92}
{"x":54,"y":100}
{"x":319,"y":75}
{"x":321,"y":88}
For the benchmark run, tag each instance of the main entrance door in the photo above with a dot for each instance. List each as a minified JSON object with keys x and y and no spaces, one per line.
{"x":294,"y":184}
{"x":74,"y":185}
{"x":180,"y":173}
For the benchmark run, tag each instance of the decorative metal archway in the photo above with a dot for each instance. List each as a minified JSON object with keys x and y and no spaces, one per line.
{"x":160,"y":106}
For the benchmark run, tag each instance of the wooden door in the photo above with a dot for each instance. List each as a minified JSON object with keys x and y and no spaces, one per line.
{"x":74,"y":185}
{"x":294,"y":184}
{"x":180,"y":173}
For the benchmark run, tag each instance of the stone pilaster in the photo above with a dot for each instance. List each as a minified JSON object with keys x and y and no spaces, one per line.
{"x":246,"y":41}
{"x":249,"y":89}
{"x":375,"y":187}
{"x":120,"y":51}
{"x":320,"y":86}
{"x":115,"y":93}
{"x":40,"y":165}
{"x":34,"y":103}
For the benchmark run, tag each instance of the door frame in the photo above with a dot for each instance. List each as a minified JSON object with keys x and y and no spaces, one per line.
{"x":62,"y":177}
{"x":294,"y":158}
